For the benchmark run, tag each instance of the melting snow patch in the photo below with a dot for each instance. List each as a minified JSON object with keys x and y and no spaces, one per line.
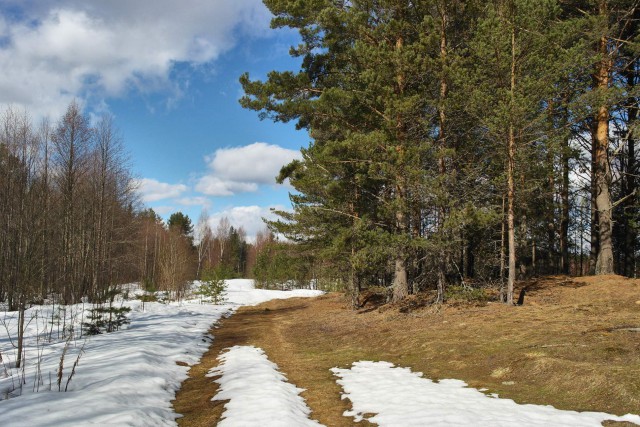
{"x":257,"y":392}
{"x":128,"y":377}
{"x":400,"y":397}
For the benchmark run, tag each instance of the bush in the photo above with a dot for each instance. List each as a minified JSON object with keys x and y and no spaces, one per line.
{"x":148,"y":298}
{"x":212,"y":287}
{"x":106,"y":318}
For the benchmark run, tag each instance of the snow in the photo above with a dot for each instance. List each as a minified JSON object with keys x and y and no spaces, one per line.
{"x":400,"y":397}
{"x":128,"y":377}
{"x":257,"y":393}
{"x":242,"y":292}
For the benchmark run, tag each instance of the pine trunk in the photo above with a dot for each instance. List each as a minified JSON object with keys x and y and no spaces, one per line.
{"x":511,"y":217}
{"x":442,"y":167}
{"x":502,"y":252}
{"x":552,"y":257}
{"x":564,"y":210}
{"x":595,"y":237}
{"x":511,"y":191}
{"x":400,"y":281}
{"x":604,"y":262}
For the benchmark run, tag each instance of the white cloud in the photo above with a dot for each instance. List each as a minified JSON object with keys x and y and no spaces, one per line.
{"x":243,"y":169}
{"x":194,"y":201}
{"x":247,"y":217}
{"x":91,"y":50}
{"x":215,"y":186}
{"x":152,"y":190}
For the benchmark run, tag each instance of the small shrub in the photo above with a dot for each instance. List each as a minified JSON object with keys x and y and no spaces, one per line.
{"x":106,"y":318}
{"x":148,"y":298}
{"x":162,"y":297}
{"x":214,"y":290}
{"x":212,"y":287}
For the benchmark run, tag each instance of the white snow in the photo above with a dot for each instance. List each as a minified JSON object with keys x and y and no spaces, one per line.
{"x":242,"y":292}
{"x":128,"y":377}
{"x":400,"y":397}
{"x":258,"y":393}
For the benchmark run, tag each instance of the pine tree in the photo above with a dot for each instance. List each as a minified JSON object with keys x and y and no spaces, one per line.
{"x":436,"y":125}
{"x":361,"y":96}
{"x":512,"y":68}
{"x":608,"y":33}
{"x":181,"y":223}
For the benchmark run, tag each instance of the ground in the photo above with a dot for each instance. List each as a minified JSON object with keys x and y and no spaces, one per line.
{"x":574,"y":344}
{"x":127,"y":377}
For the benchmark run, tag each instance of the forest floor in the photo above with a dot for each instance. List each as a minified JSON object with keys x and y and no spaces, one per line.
{"x":574,"y":344}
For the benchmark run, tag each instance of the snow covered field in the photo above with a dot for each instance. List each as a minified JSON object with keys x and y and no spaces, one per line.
{"x":128,"y":377}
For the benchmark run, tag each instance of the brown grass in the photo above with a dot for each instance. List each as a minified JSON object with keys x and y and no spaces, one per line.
{"x":572,"y":345}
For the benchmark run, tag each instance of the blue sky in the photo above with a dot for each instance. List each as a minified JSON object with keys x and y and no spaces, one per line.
{"x":168,"y":72}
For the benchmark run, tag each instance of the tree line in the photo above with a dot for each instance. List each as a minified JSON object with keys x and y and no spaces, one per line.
{"x":222,"y":251}
{"x":66,"y":208}
{"x":67,"y":218}
{"x":459,"y":140}
{"x":72,"y":226}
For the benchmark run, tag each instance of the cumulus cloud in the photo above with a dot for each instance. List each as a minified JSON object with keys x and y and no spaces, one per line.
{"x":216,"y":186}
{"x":243,"y":169}
{"x":152,"y":190}
{"x":247,"y":217}
{"x":194,"y":201}
{"x":63,"y":49}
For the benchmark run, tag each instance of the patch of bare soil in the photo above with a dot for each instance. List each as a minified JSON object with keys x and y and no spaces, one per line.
{"x":573,"y":345}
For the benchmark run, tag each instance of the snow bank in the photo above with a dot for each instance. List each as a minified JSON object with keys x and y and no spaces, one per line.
{"x":400,"y":397}
{"x":128,"y":377}
{"x":242,"y":292}
{"x":258,"y":393}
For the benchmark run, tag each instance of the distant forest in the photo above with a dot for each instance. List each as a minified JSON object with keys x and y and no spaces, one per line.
{"x":72,"y":227}
{"x":459,"y":142}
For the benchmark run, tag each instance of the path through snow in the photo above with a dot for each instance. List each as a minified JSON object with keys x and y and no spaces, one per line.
{"x":128,"y":377}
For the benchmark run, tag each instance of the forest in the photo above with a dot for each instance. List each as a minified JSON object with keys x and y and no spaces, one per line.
{"x":452,"y":143}
{"x":458,"y":142}
{"x":73,"y":227}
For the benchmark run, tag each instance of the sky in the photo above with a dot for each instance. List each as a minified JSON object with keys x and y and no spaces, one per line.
{"x":168,"y":72}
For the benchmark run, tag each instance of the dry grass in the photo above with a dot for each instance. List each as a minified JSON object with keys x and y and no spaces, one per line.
{"x":572,"y":345}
